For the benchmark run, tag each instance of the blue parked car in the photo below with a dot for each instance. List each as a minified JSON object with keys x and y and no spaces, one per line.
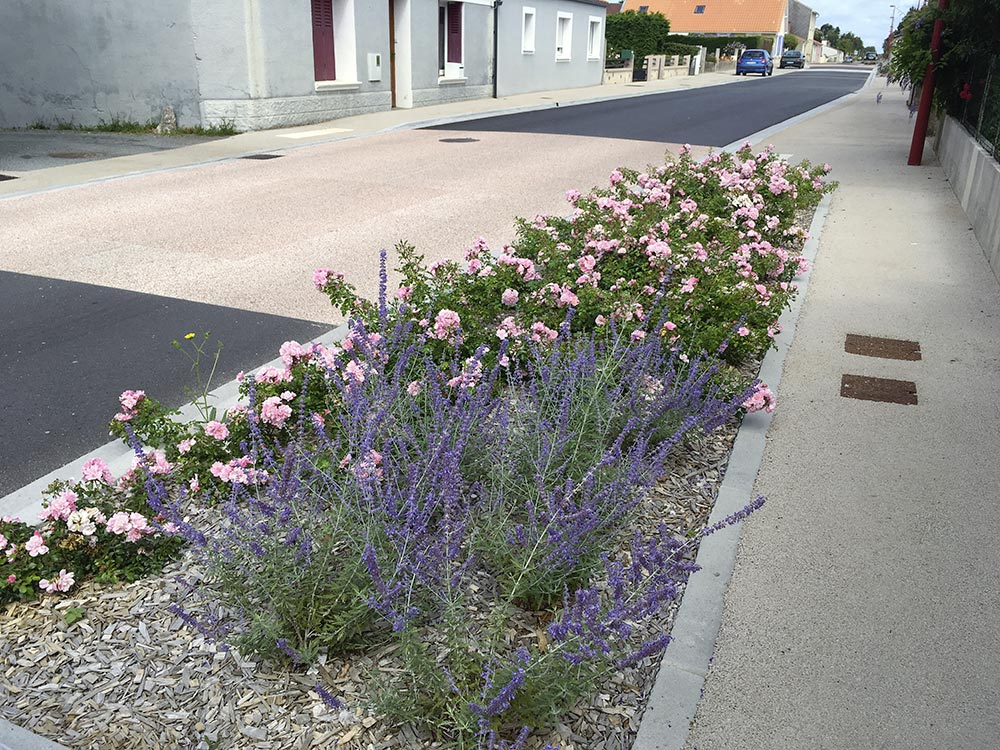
{"x":755,"y":61}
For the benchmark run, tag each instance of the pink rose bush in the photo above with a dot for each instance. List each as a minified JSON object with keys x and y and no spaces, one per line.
{"x":715,"y":240}
{"x":98,"y":526}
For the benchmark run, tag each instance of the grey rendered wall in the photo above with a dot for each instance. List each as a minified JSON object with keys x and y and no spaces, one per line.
{"x":975,"y":178}
{"x":520,"y":73}
{"x":83,"y":61}
{"x":477,"y":54}
{"x":276,"y":86}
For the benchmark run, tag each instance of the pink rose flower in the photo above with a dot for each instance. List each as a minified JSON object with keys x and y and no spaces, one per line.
{"x":216,"y":429}
{"x":97,"y":469}
{"x":36,"y":545}
{"x":275,"y":412}
{"x":509,"y":297}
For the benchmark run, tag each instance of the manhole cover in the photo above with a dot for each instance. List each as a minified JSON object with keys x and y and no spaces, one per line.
{"x":459,"y":140}
{"x":878,"y":389}
{"x":871,"y":346}
{"x":74,"y":155}
{"x":7,"y":177}
{"x":261,"y":157}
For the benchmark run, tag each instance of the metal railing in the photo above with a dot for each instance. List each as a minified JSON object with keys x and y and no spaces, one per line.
{"x":978,"y":104}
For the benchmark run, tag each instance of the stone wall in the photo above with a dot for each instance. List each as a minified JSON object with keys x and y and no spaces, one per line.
{"x":975,"y":178}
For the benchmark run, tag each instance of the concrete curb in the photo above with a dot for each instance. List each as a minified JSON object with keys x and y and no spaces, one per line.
{"x":413,"y":125}
{"x":676,"y":692}
{"x":12,"y":737}
{"x":26,"y":503}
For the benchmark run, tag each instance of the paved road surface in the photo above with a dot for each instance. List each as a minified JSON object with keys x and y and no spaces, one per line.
{"x":707,"y":117}
{"x":69,"y":349}
{"x":230,"y":247}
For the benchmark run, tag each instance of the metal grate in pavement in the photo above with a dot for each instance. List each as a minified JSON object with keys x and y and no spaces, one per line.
{"x":872,"y":346}
{"x":878,"y":389}
{"x":262,"y":157}
{"x":7,"y":177}
{"x":458,"y":140}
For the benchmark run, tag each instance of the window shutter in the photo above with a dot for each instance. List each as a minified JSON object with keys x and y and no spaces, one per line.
{"x":323,"y":53}
{"x":454,"y":32}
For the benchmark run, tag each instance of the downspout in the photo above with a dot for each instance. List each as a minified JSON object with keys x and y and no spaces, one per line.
{"x":496,"y":43}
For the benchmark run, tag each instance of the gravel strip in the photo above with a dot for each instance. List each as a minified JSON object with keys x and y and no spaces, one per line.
{"x":131,"y":675}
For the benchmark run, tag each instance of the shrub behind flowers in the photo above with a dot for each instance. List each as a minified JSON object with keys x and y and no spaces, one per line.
{"x":97,"y":527}
{"x":717,"y":237}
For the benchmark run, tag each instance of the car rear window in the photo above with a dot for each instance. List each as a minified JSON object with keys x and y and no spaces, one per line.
{"x":792,"y":53}
{"x":754,"y":54}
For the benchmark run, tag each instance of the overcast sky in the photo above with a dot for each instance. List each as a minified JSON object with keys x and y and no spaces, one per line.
{"x":869,"y":19}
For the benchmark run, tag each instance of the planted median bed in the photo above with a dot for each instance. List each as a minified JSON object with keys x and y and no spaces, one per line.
{"x":467,"y":524}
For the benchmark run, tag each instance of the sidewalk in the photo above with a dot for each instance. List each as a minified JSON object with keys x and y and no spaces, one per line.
{"x":862,"y":611}
{"x":344,"y":129}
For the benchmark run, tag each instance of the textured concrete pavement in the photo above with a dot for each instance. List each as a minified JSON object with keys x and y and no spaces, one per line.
{"x":863,"y":609}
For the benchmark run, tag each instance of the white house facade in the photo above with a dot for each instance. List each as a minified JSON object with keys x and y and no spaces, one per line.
{"x":270,"y":63}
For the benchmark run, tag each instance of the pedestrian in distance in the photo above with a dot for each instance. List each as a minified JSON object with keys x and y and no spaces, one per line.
{"x":878,"y":98}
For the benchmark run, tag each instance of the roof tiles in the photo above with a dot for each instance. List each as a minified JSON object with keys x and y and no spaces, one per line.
{"x":719,"y":16}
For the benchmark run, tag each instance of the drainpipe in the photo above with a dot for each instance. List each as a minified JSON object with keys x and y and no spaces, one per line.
{"x":927,"y":94}
{"x":496,"y":43}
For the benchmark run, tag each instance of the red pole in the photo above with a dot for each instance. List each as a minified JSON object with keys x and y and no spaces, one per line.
{"x":927,"y":94}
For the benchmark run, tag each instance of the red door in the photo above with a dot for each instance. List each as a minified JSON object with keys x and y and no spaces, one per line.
{"x":323,"y":59}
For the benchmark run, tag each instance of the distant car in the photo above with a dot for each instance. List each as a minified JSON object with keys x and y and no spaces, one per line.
{"x":755,"y":61}
{"x":792,"y":58}
{"x":871,"y":58}
{"x":848,"y":59}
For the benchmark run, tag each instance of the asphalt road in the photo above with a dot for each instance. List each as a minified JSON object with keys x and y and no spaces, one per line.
{"x":713,"y":116}
{"x":68,"y":350}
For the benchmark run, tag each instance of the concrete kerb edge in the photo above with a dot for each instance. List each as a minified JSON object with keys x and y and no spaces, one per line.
{"x":26,"y":502}
{"x":12,"y":737}
{"x":415,"y":125}
{"x":676,"y":692}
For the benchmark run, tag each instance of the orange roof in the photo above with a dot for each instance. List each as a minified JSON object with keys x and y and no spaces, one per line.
{"x":719,"y":16}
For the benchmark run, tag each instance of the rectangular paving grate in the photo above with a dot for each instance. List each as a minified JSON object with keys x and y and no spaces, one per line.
{"x":7,"y":177}
{"x":878,"y":389}
{"x":262,"y":156}
{"x":872,"y":346}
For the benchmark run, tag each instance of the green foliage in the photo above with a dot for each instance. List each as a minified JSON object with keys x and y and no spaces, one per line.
{"x":911,"y":51}
{"x":73,"y":614}
{"x":727,"y":44}
{"x":792,"y":41}
{"x":643,"y":33}
{"x":672,"y":48}
{"x":86,"y":553}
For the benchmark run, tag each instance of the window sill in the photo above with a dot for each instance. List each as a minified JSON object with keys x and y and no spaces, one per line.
{"x":563,"y":59}
{"x":338,"y":85}
{"x":452,"y":81}
{"x":527,"y":52}
{"x":593,"y":59}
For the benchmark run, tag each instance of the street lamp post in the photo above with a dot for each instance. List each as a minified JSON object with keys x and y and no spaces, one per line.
{"x":892,"y":28}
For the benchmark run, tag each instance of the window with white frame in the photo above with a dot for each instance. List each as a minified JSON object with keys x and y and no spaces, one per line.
{"x":594,"y":38}
{"x":450,"y":35}
{"x":564,"y":35}
{"x":527,"y":30}
{"x":334,"y":47}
